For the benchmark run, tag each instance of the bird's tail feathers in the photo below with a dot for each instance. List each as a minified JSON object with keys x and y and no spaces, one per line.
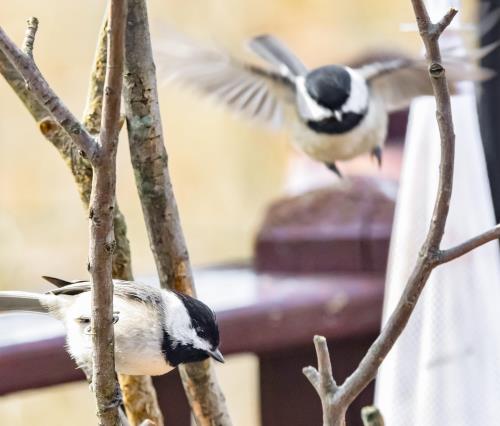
{"x":21,"y":301}
{"x":275,"y":52}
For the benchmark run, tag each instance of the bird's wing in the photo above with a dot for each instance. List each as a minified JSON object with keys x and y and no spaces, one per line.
{"x":58,"y":282}
{"x":398,"y":81}
{"x":69,"y":288}
{"x":126,"y":289}
{"x":252,"y":91}
{"x":276,"y":53}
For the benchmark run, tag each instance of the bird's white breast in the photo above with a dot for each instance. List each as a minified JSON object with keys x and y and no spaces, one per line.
{"x":138,"y":337}
{"x":327,"y":148}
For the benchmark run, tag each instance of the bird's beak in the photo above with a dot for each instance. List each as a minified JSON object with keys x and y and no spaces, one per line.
{"x":216,"y":355}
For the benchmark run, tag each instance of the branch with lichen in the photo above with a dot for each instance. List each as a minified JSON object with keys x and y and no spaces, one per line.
{"x":336,"y":399}
{"x":150,"y":162}
{"x":139,"y":394}
{"x":41,"y":90}
{"x":45,"y":105}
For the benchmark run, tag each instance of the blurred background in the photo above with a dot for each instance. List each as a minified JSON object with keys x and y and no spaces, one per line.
{"x":225,"y":171}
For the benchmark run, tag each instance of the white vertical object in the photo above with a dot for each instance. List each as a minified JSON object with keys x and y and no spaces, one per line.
{"x":445,"y":368}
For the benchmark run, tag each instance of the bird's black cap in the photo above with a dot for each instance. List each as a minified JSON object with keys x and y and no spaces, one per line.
{"x":329,"y":86}
{"x":202,"y":318}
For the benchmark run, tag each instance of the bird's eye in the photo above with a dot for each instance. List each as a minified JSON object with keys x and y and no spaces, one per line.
{"x":83,"y":320}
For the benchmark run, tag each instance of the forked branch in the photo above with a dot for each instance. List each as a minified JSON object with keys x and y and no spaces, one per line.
{"x":430,"y":255}
{"x":41,"y":90}
{"x":40,"y":98}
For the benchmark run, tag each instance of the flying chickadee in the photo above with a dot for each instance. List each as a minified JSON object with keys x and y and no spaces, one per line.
{"x":335,"y":112}
{"x":155,"y":329}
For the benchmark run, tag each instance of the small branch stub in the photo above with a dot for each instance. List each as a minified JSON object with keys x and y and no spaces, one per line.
{"x":372,"y":416}
{"x":440,"y":26}
{"x":436,"y":70}
{"x":29,"y":37}
{"x":321,"y":378}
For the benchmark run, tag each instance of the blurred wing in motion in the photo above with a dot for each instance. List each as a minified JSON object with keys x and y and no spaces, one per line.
{"x":398,"y":81}
{"x":276,"y":53}
{"x":255,"y":92}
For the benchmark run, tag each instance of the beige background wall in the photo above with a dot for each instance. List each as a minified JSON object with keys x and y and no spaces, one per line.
{"x":224,"y":171}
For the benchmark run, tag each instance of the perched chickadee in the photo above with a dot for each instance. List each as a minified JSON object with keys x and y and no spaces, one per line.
{"x":155,"y":329}
{"x":335,"y":112}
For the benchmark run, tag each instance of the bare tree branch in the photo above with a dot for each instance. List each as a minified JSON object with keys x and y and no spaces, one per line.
{"x":323,"y":381}
{"x":469,"y":245}
{"x":150,"y":162}
{"x":443,"y":23}
{"x":46,"y":96}
{"x":101,"y":213}
{"x":328,"y":384}
{"x":93,"y":108}
{"x":396,"y":323}
{"x":313,"y":376}
{"x":29,"y":37}
{"x":430,"y":255}
{"x":139,"y":394}
{"x":139,"y":397}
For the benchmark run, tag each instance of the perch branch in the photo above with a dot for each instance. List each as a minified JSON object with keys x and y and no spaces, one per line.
{"x":139,"y":394}
{"x":469,"y":245}
{"x":150,"y":162}
{"x":101,"y":214}
{"x":430,"y":255}
{"x":29,"y":37}
{"x":36,"y":83}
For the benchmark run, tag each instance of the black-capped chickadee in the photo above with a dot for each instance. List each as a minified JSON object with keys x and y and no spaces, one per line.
{"x":155,"y":329}
{"x":335,"y":112}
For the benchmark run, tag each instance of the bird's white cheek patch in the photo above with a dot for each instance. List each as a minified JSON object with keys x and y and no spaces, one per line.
{"x":357,"y":102}
{"x":309,"y":109}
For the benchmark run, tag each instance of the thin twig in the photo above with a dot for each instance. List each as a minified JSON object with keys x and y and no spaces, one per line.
{"x":150,"y":162}
{"x":46,"y":96}
{"x":29,"y":37}
{"x":313,"y":376}
{"x":322,"y":379}
{"x":469,"y":245}
{"x":93,"y":107}
{"x":328,"y":384}
{"x":102,"y":243}
{"x":443,"y":23}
